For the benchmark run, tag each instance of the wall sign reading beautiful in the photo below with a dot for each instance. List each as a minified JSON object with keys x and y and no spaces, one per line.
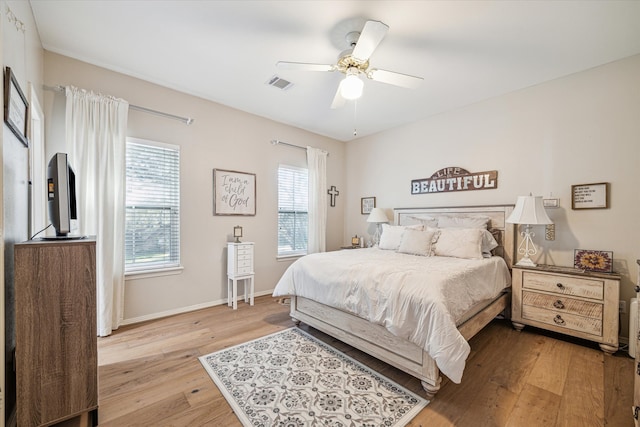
{"x":455,"y":179}
{"x":234,"y":193}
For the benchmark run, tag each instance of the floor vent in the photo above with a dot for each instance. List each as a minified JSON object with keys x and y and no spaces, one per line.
{"x":280,"y":83}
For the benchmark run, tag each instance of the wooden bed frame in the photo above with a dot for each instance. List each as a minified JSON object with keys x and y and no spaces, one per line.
{"x":380,"y":343}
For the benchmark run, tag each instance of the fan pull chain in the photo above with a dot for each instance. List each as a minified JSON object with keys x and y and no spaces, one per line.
{"x":355,"y":111}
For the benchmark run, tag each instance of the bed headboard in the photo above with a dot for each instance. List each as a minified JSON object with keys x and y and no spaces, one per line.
{"x":505,"y":233}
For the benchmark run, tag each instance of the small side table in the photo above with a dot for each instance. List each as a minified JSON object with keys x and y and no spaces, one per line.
{"x":239,"y":267}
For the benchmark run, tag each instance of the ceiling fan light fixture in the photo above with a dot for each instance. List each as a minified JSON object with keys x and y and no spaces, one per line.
{"x":351,"y":87}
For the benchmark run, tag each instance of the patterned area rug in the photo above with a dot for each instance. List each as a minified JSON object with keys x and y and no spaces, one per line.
{"x":290,"y":378}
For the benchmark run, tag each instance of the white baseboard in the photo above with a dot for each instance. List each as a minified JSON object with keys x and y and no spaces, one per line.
{"x":187,"y":309}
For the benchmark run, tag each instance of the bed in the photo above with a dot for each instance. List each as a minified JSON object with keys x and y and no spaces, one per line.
{"x":370,"y":327}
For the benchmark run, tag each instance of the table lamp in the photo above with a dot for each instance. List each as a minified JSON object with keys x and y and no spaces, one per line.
{"x":529,"y":211}
{"x":377,"y":216}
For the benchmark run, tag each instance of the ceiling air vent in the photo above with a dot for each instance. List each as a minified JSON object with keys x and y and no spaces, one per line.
{"x":280,"y":83}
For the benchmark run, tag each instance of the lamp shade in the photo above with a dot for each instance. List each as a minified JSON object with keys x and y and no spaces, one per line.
{"x":351,"y":86}
{"x":529,"y":210}
{"x":377,"y":215}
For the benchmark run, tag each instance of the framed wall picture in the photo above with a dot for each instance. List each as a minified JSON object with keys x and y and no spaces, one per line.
{"x":600,"y":261}
{"x":234,"y":193}
{"x":16,"y":107}
{"x":590,"y":196}
{"x":367,"y":204}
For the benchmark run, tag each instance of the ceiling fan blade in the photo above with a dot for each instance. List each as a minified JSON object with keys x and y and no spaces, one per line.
{"x":338,"y":100}
{"x":370,"y":37}
{"x":302,"y":66}
{"x":393,"y":78}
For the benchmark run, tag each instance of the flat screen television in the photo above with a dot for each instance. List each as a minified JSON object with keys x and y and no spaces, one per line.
{"x":61,"y":196}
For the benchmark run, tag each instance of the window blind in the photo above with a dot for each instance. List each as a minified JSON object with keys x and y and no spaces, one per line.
{"x":293,"y":206}
{"x":152,"y":221}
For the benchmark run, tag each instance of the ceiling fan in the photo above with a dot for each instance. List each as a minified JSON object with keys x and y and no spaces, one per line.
{"x":355,"y":61}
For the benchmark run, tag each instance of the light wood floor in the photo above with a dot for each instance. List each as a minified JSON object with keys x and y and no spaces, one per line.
{"x":149,"y":374}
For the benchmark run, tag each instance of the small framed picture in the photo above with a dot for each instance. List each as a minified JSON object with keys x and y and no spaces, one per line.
{"x":16,"y":107}
{"x":590,"y":260}
{"x":367,"y":204}
{"x":590,"y":196}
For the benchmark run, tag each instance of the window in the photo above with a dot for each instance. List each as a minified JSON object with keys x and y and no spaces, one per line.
{"x":152,"y":222}
{"x":293,"y":206}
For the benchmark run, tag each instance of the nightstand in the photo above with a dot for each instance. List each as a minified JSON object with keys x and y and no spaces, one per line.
{"x":239,"y":267}
{"x":568,"y":301}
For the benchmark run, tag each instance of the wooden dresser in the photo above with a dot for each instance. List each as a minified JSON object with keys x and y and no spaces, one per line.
{"x":56,"y":337}
{"x":565,"y":300}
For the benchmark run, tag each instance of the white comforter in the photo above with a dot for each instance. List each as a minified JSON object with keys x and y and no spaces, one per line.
{"x":417,"y":298}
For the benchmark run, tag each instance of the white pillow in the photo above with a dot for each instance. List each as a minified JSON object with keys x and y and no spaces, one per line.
{"x":416,"y":242}
{"x":460,"y":243}
{"x":463,"y":221}
{"x":489,"y":243}
{"x":391,"y":235}
{"x":427,"y":221}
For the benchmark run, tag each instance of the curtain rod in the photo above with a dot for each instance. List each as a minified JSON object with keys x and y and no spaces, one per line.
{"x":185,"y":120}
{"x":278,"y":142}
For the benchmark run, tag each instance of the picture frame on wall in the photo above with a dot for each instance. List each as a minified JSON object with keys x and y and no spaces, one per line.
{"x":591,"y":260}
{"x":590,"y":196}
{"x":16,"y":107}
{"x":234,"y":193}
{"x":367,"y":204}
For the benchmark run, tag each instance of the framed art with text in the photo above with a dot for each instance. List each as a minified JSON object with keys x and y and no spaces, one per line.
{"x":367,"y":204}
{"x":234,"y":193}
{"x":590,"y":196}
{"x":16,"y":107}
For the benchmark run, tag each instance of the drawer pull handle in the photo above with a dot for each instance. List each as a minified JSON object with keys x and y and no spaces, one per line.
{"x":637,"y":288}
{"x":559,"y":320}
{"x":558,"y":304}
{"x":560,"y":285}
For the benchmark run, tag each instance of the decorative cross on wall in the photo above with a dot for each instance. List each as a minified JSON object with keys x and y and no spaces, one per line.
{"x":333,"y":193}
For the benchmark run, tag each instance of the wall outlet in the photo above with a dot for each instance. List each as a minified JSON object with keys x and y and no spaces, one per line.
{"x":623,"y":307}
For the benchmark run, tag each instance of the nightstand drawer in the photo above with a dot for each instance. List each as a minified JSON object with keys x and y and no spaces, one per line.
{"x":566,"y":285}
{"x":563,"y":320}
{"x":562,"y":304}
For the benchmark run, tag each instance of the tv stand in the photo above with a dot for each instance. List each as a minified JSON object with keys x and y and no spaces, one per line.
{"x":56,"y":337}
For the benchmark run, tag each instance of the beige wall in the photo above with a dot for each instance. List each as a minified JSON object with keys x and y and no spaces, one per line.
{"x":220,"y":137}
{"x":583,"y":128}
{"x":22,"y":51}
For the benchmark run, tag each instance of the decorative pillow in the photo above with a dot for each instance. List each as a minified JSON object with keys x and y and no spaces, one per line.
{"x":391,"y":235}
{"x":460,"y":243}
{"x":446,"y":221}
{"x":416,"y":242}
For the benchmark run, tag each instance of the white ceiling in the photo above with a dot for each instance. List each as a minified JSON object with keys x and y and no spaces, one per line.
{"x":226,"y":51}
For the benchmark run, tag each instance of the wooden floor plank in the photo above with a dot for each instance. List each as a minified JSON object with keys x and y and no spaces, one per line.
{"x":618,"y":380}
{"x":150,"y":375}
{"x":535,"y":407}
{"x":582,"y":401}
{"x":550,"y":370}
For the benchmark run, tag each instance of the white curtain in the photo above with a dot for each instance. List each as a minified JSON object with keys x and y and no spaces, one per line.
{"x":96,"y":127}
{"x":317,"y":164}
